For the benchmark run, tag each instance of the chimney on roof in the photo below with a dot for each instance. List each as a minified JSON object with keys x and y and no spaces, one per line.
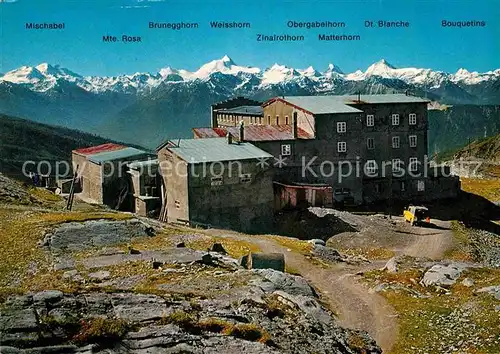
{"x":242,"y":131}
{"x":229,"y":138}
{"x":294,"y":125}
{"x":359,"y":96}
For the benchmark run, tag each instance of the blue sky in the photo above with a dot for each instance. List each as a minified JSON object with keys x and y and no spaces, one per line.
{"x":80,"y":48}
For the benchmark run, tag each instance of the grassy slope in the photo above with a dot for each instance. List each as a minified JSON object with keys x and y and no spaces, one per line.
{"x":22,"y":140}
{"x":451,"y":128}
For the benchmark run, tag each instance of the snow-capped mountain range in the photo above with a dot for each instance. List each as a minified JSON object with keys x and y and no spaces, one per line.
{"x":144,"y":108}
{"x":44,"y":77}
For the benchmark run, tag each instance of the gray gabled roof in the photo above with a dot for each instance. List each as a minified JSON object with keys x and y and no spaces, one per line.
{"x":214,"y":149}
{"x":345,"y":103}
{"x":123,"y":154}
{"x":321,"y":104}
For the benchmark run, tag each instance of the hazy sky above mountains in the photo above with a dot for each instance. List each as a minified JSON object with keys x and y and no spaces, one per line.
{"x":80,"y":47}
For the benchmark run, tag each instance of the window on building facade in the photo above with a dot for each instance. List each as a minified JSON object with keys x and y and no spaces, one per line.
{"x":269,"y":120}
{"x":277,"y":120}
{"x":395,"y":119}
{"x":286,"y":150}
{"x":341,"y":146}
{"x":420,"y":186}
{"x":395,"y":142}
{"x":370,"y":143}
{"x":413,"y":140}
{"x":412,"y":119}
{"x":371,"y":167}
{"x":286,"y":120}
{"x":413,"y":164}
{"x":341,"y":127}
{"x":370,"y":120}
{"x":245,"y":178}
{"x":216,"y":181}
{"x":397,"y":164}
{"x":177,"y":204}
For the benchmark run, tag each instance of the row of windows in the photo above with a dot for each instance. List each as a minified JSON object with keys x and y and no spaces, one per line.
{"x":286,"y":149}
{"x":287,"y":119}
{"x":396,"y":142}
{"x":370,"y":143}
{"x":402,"y":186}
{"x":234,"y":119}
{"x":370,"y":121}
{"x":397,"y":165}
{"x":412,"y":119}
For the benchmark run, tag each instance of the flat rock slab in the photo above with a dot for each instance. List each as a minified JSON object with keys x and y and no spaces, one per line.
{"x":79,"y":236}
{"x":492,"y":290}
{"x":137,"y":307}
{"x":274,"y":280}
{"x":169,"y":256}
{"x":100,"y":275}
{"x":124,"y":283}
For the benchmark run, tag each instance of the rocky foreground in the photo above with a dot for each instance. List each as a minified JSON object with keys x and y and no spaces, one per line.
{"x":160,"y":299}
{"x":275,"y":312}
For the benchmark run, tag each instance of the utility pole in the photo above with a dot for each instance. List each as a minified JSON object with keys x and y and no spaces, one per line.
{"x":391,"y":169}
{"x":71,"y":196}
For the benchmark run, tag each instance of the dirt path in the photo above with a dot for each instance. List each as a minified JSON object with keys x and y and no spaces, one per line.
{"x":356,"y":306}
{"x":430,"y":242}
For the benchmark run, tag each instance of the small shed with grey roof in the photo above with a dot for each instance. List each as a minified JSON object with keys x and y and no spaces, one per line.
{"x":102,"y":173}
{"x":218,"y":182}
{"x":145,"y":187}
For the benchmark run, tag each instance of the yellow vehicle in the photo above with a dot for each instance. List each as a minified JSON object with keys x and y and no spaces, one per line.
{"x":416,"y":215}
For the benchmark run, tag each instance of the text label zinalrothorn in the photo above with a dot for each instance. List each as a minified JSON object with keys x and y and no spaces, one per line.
{"x":279,"y":38}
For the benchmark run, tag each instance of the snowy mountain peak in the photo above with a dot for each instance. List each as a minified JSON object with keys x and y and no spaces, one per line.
{"x":56,"y":71}
{"x":462,"y":71}
{"x":168,"y":71}
{"x":227,"y":59}
{"x":332,"y":68}
{"x":311,"y":72}
{"x":380,"y":68}
{"x":44,"y":77}
{"x":43,"y":67}
{"x":225,"y":65}
{"x":23,"y":75}
{"x":383,"y":62}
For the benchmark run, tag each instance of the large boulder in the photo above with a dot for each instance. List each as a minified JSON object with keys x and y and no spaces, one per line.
{"x":442,"y":275}
{"x":391,"y":266}
{"x":327,"y":253}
